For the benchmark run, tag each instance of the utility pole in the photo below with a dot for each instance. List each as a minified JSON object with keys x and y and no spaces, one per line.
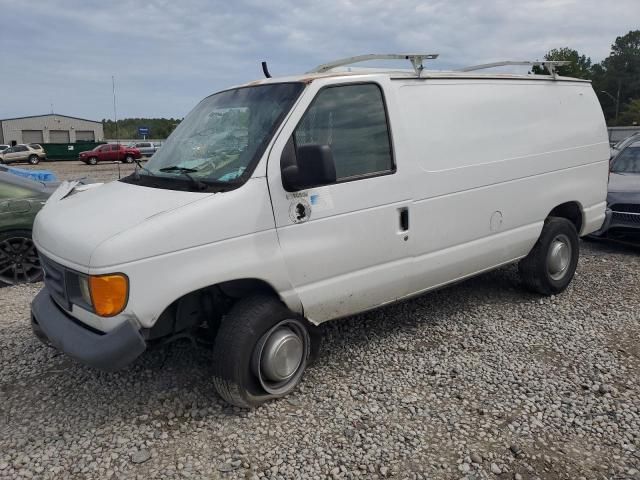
{"x":115,"y":119}
{"x":618,"y":100}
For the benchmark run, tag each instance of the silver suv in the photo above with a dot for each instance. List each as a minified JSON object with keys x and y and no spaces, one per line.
{"x":23,"y":153}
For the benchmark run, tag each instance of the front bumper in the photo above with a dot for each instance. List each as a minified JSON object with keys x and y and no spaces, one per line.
{"x":628,"y":221}
{"x":106,"y":351}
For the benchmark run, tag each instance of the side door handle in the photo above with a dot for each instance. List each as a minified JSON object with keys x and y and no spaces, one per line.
{"x":404,"y":219}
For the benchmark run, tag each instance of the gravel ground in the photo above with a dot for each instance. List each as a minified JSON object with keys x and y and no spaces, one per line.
{"x":479,"y":380}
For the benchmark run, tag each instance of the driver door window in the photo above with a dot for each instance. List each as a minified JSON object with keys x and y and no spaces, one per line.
{"x":352,"y":120}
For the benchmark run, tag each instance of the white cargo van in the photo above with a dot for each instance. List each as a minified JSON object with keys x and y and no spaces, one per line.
{"x":281,"y":204}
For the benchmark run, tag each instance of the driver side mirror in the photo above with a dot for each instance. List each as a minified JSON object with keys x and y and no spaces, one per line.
{"x":307,"y":166}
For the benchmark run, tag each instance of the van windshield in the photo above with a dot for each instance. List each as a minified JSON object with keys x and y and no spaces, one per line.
{"x":222,"y":139}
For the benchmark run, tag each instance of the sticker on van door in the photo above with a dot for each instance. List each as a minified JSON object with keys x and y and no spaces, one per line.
{"x":299,"y":210}
{"x":320,"y":200}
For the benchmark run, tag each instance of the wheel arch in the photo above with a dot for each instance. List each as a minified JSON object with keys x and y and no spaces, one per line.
{"x":215,"y":299}
{"x":572,"y":211}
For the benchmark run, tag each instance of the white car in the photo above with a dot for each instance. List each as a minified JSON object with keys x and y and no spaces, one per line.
{"x":287,"y":202}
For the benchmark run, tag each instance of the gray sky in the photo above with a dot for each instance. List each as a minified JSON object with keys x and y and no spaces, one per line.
{"x":168,"y":54}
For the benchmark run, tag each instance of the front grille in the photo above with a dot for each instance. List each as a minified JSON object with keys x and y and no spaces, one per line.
{"x":54,"y":279}
{"x":626,"y":207}
{"x":620,"y":217}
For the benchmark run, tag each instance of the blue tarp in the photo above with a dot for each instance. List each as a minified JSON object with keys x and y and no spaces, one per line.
{"x":39,"y":175}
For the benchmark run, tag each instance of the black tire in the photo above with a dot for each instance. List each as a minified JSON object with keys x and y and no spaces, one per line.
{"x":93,"y":161}
{"x":539,"y":273}
{"x":34,"y":159}
{"x":237,"y":351}
{"x":19,"y":262}
{"x":128,"y":159}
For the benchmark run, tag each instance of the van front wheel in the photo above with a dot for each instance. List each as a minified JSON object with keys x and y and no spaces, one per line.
{"x":551,"y":264}
{"x":261,"y":352}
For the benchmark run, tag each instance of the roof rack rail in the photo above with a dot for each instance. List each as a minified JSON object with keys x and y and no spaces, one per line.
{"x":550,"y":65}
{"x":416,"y":60}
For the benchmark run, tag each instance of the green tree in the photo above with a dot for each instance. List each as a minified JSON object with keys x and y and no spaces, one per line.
{"x":617,"y":79}
{"x":580,"y":64}
{"x":160,"y":128}
{"x":631,"y":114}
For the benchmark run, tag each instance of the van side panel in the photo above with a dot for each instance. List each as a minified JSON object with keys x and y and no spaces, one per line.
{"x":494,"y":158}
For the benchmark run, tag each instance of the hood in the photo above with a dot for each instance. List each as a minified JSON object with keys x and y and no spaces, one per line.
{"x":624,"y":182}
{"x":75,"y":221}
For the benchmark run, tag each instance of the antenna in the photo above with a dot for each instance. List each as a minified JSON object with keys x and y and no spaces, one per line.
{"x":115,"y":118}
{"x":265,"y":70}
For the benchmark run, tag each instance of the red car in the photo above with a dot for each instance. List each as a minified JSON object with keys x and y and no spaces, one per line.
{"x":110,"y":153}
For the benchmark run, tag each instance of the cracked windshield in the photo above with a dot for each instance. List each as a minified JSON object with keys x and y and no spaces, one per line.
{"x":225,"y":135}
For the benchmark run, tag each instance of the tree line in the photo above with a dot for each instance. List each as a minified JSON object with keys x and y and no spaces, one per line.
{"x":159,"y":128}
{"x":616,"y":80}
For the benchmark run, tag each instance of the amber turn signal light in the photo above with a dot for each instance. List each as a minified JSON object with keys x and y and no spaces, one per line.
{"x":109,"y":293}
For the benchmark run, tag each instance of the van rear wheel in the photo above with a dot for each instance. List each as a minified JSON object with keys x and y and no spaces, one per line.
{"x":551,"y":264}
{"x":261,"y":352}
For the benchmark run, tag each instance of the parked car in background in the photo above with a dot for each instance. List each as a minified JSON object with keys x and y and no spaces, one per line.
{"x":20,"y":200}
{"x":618,"y":147}
{"x":111,"y":152}
{"x":623,"y":199}
{"x":147,"y":149}
{"x":23,"y":153}
{"x":4,"y":147}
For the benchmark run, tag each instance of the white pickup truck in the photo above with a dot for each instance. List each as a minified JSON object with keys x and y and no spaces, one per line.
{"x":287,"y":202}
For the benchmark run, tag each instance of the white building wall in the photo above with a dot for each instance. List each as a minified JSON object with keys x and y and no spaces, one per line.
{"x":12,"y":128}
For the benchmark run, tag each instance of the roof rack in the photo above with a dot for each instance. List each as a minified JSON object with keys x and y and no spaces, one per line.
{"x":550,"y":65}
{"x":416,"y":60}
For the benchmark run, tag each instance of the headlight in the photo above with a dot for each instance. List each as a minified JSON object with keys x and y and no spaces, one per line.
{"x":105,"y":295}
{"x":83,"y":283}
{"x":109,"y":293}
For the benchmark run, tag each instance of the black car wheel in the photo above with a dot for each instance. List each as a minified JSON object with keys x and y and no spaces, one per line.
{"x":128,"y":159}
{"x":551,"y":264}
{"x":34,"y":160}
{"x":19,"y":262}
{"x":93,"y":161}
{"x":261,"y":352}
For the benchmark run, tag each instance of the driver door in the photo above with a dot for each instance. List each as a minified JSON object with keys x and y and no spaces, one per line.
{"x":345,"y":244}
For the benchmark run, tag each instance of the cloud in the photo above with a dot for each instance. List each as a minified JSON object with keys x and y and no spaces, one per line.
{"x":166,"y":55}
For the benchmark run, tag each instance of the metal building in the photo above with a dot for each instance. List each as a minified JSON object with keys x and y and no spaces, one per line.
{"x":49,"y":128}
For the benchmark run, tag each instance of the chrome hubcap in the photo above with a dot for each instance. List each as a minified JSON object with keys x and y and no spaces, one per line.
{"x":280,"y":357}
{"x":559,"y":257}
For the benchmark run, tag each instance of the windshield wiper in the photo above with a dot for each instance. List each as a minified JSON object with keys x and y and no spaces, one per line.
{"x":186,"y":172}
